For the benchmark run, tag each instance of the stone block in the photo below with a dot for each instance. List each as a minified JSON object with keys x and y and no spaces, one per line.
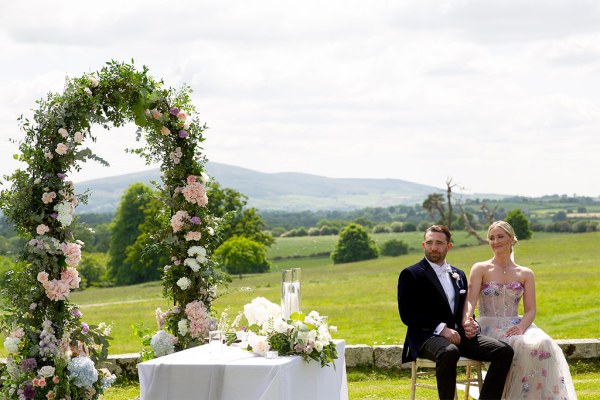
{"x":359,"y":355}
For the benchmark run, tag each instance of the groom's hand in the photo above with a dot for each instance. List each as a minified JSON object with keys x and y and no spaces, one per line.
{"x":451,"y":335}
{"x":470,"y":327}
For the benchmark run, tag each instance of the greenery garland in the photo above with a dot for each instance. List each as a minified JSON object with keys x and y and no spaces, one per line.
{"x":52,"y":353}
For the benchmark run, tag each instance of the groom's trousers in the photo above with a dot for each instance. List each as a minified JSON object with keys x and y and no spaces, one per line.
{"x":482,"y":348}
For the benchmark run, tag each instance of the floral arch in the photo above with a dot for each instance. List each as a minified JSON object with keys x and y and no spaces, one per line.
{"x":52,"y":353}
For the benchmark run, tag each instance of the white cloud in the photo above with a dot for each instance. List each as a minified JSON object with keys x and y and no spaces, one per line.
{"x":495,"y":90}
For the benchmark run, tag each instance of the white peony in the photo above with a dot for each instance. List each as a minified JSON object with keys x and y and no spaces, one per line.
{"x":184,"y":283}
{"x":192,"y":263}
{"x":260,"y":310}
{"x":281,"y":326}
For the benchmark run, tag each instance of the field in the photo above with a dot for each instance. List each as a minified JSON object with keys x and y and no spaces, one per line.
{"x":360,"y":298}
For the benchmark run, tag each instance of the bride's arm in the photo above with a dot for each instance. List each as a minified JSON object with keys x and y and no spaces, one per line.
{"x":475,"y":279}
{"x":529,"y":307}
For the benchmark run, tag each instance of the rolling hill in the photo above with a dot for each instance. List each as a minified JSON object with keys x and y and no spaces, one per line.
{"x":285,"y":191}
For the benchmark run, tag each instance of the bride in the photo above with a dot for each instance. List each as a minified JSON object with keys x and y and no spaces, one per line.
{"x":539,"y":369}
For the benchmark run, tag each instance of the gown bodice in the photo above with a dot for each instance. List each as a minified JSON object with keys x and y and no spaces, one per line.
{"x":500,"y":300}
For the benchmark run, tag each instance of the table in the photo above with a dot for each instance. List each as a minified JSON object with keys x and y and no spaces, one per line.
{"x":239,"y":374}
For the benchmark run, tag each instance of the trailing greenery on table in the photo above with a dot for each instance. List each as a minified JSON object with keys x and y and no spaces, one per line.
{"x":52,"y":352}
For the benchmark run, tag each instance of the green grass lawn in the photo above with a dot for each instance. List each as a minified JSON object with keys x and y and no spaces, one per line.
{"x":360,"y":298}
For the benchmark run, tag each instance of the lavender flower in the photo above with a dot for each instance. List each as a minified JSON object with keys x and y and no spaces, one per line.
{"x":28,"y":364}
{"x":183,"y":134}
{"x":174,"y":111}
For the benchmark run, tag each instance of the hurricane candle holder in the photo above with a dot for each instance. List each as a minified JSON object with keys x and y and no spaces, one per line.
{"x":286,"y":289}
{"x":295,"y":297}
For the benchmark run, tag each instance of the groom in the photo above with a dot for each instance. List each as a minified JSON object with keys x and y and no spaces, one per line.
{"x":431,"y":297}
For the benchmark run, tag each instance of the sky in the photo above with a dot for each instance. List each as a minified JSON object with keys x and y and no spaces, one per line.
{"x":501,"y":96}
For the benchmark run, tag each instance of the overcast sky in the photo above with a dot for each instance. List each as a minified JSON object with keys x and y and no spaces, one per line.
{"x":502,"y":96}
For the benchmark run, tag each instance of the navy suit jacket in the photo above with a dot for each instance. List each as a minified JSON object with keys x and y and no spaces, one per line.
{"x":423,"y":305}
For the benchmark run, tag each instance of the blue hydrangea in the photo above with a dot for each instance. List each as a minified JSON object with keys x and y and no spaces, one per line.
{"x":82,"y":372}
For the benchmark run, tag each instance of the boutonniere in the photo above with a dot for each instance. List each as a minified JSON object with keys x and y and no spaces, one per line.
{"x":456,"y":276}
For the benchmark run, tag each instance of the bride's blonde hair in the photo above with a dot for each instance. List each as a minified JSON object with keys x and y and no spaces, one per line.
{"x":506,"y":227}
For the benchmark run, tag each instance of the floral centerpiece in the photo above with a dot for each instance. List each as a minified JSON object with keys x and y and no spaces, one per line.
{"x":308,"y":336}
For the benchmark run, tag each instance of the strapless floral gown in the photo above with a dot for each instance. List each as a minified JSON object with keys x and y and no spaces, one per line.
{"x":539,"y":369}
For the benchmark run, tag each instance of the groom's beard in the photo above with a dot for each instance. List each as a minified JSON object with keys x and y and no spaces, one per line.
{"x":437,"y":257}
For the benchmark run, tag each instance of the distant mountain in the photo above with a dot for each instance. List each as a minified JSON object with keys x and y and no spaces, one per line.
{"x":284,"y":191}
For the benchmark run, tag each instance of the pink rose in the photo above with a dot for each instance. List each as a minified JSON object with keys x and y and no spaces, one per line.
{"x":42,"y":229}
{"x":156,"y":114}
{"x":192,"y":235}
{"x":181,"y":116}
{"x":78,"y":137}
{"x":48,"y":197}
{"x":165,"y":131}
{"x":63,"y":132}
{"x":62,"y":149}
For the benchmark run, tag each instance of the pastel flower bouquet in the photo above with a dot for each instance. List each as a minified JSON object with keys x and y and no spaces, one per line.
{"x":308,"y":336}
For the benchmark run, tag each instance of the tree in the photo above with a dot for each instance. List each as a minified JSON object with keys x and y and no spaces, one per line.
{"x":240,"y":255}
{"x":520,"y":224}
{"x":394,"y":248}
{"x":125,"y":230}
{"x":434,"y":205}
{"x":354,"y":244}
{"x":228,"y":204}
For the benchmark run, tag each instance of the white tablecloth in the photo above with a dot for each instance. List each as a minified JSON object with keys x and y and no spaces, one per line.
{"x":239,"y":374}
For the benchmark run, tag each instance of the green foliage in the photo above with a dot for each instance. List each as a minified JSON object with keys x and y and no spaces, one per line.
{"x":125,"y":230}
{"x":240,"y":255}
{"x":40,"y":204}
{"x":93,"y":271}
{"x":354,"y":244}
{"x":520,"y":224}
{"x":394,"y":248}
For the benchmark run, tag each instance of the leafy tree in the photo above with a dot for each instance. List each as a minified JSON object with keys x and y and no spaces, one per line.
{"x":354,"y":244}
{"x":92,"y":270}
{"x":240,"y":255}
{"x":394,"y":248}
{"x":124,"y":231}
{"x":230,"y":204}
{"x":435,"y":205}
{"x":145,"y":256}
{"x":559,"y":216}
{"x":520,"y":224}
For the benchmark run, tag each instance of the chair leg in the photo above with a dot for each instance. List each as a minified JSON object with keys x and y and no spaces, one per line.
{"x":413,"y":380}
{"x":468,"y":382}
{"x":479,"y":377}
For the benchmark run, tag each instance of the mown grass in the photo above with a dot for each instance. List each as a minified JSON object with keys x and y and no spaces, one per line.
{"x":360,"y":298}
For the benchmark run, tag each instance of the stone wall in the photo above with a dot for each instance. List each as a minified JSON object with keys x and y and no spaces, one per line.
{"x":389,"y":357}
{"x":381,"y":357}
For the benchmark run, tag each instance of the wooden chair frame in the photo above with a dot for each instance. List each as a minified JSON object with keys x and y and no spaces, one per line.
{"x":462,"y":362}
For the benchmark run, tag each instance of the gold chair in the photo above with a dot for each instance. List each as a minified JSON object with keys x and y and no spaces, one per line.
{"x":462,"y":362}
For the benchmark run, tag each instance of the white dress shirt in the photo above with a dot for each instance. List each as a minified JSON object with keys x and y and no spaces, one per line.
{"x":443,"y":274}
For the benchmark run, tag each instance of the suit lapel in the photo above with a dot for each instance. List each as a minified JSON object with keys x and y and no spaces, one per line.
{"x":430,"y":274}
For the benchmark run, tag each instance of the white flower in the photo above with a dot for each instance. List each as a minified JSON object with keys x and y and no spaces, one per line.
{"x":11,"y":344}
{"x":87,"y":90}
{"x":182,"y":327}
{"x":192,"y":263}
{"x":184,"y":283}
{"x":204,"y":178}
{"x":318,"y":345}
{"x":94,"y":82}
{"x":162,"y":343}
{"x":63,"y":132}
{"x":46,"y":371}
{"x":261,"y":310}
{"x":78,"y":137}
{"x":280,"y":326}
{"x":259,"y":343}
{"x":65,"y":211}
